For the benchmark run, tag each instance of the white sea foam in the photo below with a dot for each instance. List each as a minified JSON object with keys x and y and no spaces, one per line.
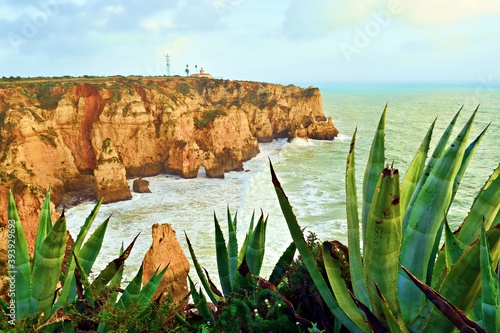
{"x":300,"y":142}
{"x":343,"y":137}
{"x":311,"y":172}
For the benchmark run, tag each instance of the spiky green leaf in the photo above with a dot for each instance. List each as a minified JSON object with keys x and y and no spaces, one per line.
{"x":383,"y":243}
{"x":489,"y":290}
{"x":374,"y":166}
{"x":222,"y":259}
{"x":415,"y":170}
{"x":353,"y":232}
{"x":283,"y":263}
{"x":308,"y":259}
{"x":45,"y":222}
{"x":338,"y":285}
{"x":424,"y":221}
{"x":256,"y":246}
{"x":47,"y":265}
{"x":214,"y":298}
{"x":19,"y":260}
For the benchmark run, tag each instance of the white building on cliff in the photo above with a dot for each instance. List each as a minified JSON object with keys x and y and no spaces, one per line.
{"x":202,"y":74}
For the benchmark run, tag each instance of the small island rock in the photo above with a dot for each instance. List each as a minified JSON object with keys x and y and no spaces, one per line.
{"x":141,"y":186}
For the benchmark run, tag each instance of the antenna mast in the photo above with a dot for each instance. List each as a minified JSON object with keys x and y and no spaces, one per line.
{"x":167,"y":60}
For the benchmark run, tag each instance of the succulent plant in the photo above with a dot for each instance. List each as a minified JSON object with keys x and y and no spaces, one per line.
{"x":36,"y":281}
{"x":397,"y":270}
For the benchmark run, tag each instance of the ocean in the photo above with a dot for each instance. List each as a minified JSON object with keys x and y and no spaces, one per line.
{"x":311,"y":173}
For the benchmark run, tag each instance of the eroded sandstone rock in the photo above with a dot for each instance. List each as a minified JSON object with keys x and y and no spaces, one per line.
{"x":141,"y":186}
{"x":110,"y":175}
{"x":164,"y":251}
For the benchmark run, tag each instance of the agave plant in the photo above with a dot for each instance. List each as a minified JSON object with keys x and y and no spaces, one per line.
{"x":236,"y":269}
{"x":36,"y":282}
{"x":394,"y":279}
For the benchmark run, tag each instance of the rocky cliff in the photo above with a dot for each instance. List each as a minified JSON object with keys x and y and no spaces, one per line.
{"x":53,"y":131}
{"x":166,"y":251}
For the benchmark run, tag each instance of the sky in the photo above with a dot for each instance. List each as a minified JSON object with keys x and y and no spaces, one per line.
{"x":280,"y":41}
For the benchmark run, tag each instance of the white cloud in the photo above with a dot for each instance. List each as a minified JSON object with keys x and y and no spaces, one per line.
{"x":313,"y":19}
{"x":114,"y":9}
{"x":444,"y":12}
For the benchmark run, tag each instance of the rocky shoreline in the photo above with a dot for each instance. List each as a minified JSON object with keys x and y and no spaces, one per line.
{"x":83,"y":137}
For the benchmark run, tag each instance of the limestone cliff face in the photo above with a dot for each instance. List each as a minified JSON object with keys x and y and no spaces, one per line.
{"x":52,"y":132}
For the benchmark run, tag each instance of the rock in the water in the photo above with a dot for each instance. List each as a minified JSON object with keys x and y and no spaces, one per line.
{"x":322,"y":130}
{"x":141,"y":186}
{"x":110,"y":175}
{"x":167,"y":250}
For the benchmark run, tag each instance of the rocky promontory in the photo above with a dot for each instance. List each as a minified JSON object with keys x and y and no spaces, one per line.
{"x":84,"y":135}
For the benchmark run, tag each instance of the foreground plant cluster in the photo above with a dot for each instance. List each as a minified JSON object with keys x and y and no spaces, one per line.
{"x":394,"y":275}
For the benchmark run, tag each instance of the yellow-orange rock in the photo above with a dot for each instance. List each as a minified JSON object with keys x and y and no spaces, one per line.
{"x":52,"y":131}
{"x":110,"y":175}
{"x":164,"y":251}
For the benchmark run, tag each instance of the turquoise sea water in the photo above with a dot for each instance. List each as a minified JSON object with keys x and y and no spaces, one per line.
{"x":311,"y":172}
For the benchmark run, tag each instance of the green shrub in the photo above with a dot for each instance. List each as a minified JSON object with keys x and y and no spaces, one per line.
{"x":208,"y":117}
{"x":183,"y":88}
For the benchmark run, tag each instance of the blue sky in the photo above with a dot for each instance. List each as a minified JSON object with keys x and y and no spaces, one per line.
{"x":283,"y":41}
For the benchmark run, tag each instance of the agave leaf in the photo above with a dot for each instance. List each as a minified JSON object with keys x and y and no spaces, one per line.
{"x":243,"y":249}
{"x":452,"y":248}
{"x":484,"y":208}
{"x":256,"y":246}
{"x":22,"y":261}
{"x":232,"y":245}
{"x":45,"y":222}
{"x":308,"y":259}
{"x":392,"y":320}
{"x":200,"y":302}
{"x":117,"y":280}
{"x":436,"y":155}
{"x":374,"y":166}
{"x":462,"y":284}
{"x":383,"y":243}
{"x":355,"y":262}
{"x":112,"y":268}
{"x":424,"y":222}
{"x":454,"y":314}
{"x":68,"y":291}
{"x":469,"y":153}
{"x":92,"y":247}
{"x":213,"y":287}
{"x":282,"y":264}
{"x":222,"y":259}
{"x":47,"y":265}
{"x":86,"y":227}
{"x":338,"y":285}
{"x":131,"y":292}
{"x":214,"y":298}
{"x":243,"y":279}
{"x":81,"y":280}
{"x":149,"y":289}
{"x":415,"y":169}
{"x":498,"y":293}
{"x":489,"y":292}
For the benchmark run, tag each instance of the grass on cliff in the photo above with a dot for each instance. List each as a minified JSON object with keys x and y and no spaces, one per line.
{"x":208,"y":117}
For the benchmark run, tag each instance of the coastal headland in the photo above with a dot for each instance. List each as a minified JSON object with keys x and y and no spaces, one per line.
{"x":83,"y":137}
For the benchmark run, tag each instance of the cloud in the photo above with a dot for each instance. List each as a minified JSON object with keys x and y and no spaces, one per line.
{"x":315,"y":19}
{"x":444,"y":12}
